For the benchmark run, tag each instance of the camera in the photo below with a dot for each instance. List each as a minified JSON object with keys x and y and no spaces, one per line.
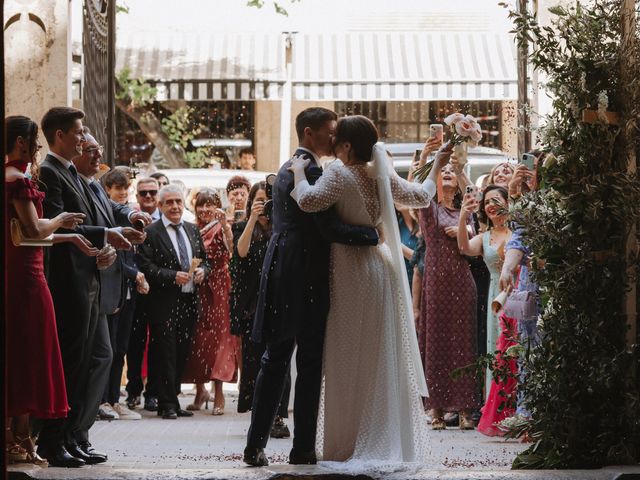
{"x":267,"y":210}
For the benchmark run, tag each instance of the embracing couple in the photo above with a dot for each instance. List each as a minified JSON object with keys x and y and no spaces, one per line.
{"x":334,"y":284}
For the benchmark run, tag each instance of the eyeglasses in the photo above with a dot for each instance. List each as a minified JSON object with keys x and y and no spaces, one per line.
{"x":144,"y":193}
{"x":93,"y":150}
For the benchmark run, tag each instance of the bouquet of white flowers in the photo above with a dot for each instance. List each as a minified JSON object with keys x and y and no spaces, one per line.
{"x":464,"y":130}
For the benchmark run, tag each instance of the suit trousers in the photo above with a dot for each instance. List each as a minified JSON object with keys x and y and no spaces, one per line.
{"x":97,"y":378}
{"x":77,"y":328}
{"x":119,"y":333}
{"x":271,"y":382}
{"x":135,"y":353}
{"x":171,"y":340}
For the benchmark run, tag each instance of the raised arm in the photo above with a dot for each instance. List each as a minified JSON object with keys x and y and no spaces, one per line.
{"x":472,"y":247}
{"x":411,"y":194}
{"x":324,"y":193}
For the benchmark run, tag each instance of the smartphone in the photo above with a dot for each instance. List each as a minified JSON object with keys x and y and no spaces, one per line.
{"x":224,"y":200}
{"x":238,"y":216}
{"x":473,"y":189}
{"x":436,"y":130}
{"x":528,"y":160}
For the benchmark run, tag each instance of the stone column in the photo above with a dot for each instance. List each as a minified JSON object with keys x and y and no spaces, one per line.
{"x":37,"y":55}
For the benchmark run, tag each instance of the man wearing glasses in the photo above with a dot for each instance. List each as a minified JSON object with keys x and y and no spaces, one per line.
{"x":147,"y":196}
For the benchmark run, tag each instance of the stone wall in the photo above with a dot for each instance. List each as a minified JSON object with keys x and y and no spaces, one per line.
{"x":37,"y":53}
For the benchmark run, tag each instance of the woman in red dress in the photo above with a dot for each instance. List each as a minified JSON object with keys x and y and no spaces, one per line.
{"x":214,"y":351}
{"x":35,"y":377}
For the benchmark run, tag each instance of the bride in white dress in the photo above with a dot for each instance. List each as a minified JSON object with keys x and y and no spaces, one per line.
{"x":373,"y":375}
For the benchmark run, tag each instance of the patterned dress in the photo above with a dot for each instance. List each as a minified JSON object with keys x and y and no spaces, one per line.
{"x":447,"y":329}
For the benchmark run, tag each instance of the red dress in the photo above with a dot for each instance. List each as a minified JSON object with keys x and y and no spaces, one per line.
{"x":500,"y":402}
{"x":214,"y":350}
{"x":35,"y":377}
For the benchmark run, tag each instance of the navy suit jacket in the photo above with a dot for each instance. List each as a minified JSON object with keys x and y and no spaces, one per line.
{"x":294,"y":286}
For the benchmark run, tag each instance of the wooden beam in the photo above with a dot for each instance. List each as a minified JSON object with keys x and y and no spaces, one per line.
{"x":524,"y":136}
{"x":628,"y":70}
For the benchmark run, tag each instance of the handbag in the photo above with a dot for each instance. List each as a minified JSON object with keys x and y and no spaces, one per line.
{"x":521,"y":305}
{"x":19,"y":240}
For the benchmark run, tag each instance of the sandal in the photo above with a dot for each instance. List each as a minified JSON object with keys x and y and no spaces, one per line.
{"x":438,"y":423}
{"x":466,"y":422}
{"x":16,"y":454}
{"x":32,"y":456}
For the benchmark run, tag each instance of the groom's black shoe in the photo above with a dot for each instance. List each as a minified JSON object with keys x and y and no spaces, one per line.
{"x":255,"y":457}
{"x":297,"y":457}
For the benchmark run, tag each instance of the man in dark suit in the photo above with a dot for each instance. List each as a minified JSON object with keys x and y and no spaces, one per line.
{"x":112,"y":282}
{"x":293,"y":300}
{"x":74,"y":284}
{"x":147,"y":196}
{"x":166,"y":260}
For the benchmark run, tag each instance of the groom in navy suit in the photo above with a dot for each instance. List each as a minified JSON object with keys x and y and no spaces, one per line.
{"x":293,"y":300}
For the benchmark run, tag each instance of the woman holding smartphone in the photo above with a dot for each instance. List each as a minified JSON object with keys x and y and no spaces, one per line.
{"x":492,"y":207}
{"x":251,"y":238}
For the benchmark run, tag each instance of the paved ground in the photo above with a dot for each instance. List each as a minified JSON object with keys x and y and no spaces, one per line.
{"x":210,"y":447}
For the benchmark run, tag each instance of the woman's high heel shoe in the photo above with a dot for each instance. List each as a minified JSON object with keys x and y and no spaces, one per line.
{"x":32,"y":456}
{"x":466,"y":421}
{"x":217,"y":410}
{"x":197,"y":404}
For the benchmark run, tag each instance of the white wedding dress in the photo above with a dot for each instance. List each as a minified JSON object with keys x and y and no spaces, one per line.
{"x":372,"y":416}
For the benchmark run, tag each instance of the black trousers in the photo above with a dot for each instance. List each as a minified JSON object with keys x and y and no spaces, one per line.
{"x":77,"y":329}
{"x":120,"y":332}
{"x":271,"y":382}
{"x":251,"y":356}
{"x":172,"y":340}
{"x":135,"y":353}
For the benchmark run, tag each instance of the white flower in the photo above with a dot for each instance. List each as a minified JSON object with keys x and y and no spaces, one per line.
{"x":453,"y":118}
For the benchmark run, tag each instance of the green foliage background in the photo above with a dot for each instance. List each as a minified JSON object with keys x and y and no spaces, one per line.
{"x":582,"y":387}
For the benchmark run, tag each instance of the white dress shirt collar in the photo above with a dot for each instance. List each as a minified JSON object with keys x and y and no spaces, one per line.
{"x":66,"y":163}
{"x":313,"y":154}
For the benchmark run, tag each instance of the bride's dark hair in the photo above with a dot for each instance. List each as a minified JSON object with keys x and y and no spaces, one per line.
{"x":360,"y":132}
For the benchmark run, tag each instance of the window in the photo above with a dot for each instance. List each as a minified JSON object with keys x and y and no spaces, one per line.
{"x":408,"y":122}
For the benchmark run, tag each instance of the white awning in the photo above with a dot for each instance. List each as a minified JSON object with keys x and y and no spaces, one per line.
{"x":190,"y":66}
{"x":405,"y":66}
{"x":353,"y":66}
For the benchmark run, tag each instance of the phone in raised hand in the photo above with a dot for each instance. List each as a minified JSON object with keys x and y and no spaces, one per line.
{"x":528,"y":160}
{"x":477,"y":194}
{"x":436,"y":130}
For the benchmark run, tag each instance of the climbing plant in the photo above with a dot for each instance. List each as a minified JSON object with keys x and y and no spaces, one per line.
{"x":582,"y":384}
